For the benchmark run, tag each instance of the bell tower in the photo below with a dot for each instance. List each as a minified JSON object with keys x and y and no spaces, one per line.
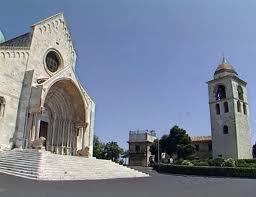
{"x":231,"y":137}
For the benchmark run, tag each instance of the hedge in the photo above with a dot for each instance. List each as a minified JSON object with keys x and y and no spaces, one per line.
{"x":207,"y":170}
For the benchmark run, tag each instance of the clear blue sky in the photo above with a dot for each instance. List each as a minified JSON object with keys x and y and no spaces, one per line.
{"x":145,"y":62}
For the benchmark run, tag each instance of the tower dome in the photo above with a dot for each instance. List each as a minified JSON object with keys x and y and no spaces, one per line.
{"x":224,"y":68}
{"x":2,"y":39}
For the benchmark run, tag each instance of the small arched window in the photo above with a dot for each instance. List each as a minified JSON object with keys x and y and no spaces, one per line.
{"x":240,"y":93}
{"x":220,"y":93}
{"x":238,"y":106}
{"x":2,"y":106}
{"x":217,"y":109}
{"x":245,"y":108}
{"x":225,"y":129}
{"x":226,"y":110}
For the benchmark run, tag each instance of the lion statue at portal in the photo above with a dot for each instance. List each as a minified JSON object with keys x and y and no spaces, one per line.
{"x":83,"y":152}
{"x":38,"y":143}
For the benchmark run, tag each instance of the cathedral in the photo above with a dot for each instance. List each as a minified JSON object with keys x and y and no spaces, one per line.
{"x":231,"y":136}
{"x":40,"y":93}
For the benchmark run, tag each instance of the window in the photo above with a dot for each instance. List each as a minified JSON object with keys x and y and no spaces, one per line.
{"x":197,"y":147}
{"x":226,"y":107}
{"x":245,"y":108}
{"x":220,"y":93}
{"x":238,"y":106}
{"x":240,"y":93}
{"x":209,"y":147}
{"x":2,"y":106}
{"x":52,"y":61}
{"x":225,"y":129}
{"x":137,"y":148}
{"x":217,"y":109}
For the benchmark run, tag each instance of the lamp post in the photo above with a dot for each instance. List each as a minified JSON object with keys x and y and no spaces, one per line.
{"x":158,"y":152}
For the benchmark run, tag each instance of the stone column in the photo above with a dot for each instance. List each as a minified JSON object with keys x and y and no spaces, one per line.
{"x":33,"y":130}
{"x":83,"y":137}
{"x":38,"y":121}
{"x":53,"y":133}
{"x":68,"y":137}
{"x":85,"y":132}
{"x":57,"y":135}
{"x":29,"y":130}
{"x":63,"y":136}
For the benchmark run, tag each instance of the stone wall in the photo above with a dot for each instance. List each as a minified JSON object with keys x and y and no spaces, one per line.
{"x":13,"y":67}
{"x":236,"y":143}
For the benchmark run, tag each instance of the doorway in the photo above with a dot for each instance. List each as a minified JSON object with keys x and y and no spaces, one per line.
{"x":43,"y":131}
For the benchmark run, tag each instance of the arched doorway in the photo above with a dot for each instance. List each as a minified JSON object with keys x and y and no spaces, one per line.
{"x":63,"y":118}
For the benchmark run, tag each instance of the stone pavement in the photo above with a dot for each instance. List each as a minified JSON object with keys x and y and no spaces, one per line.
{"x":158,"y":185}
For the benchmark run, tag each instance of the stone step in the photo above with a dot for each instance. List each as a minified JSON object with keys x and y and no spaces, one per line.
{"x":19,"y":174}
{"x":24,"y":171}
{"x":20,"y":160}
{"x":43,"y":165}
{"x":27,"y":165}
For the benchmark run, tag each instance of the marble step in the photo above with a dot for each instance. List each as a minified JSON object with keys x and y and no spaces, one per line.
{"x":18,"y":164}
{"x":19,"y":174}
{"x":16,"y":170}
{"x":43,"y":165}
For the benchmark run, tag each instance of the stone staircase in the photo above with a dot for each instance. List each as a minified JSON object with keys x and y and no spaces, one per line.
{"x":43,"y":165}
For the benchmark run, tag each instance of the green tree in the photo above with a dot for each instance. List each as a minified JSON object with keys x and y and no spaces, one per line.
{"x":178,"y":143}
{"x":98,"y":148}
{"x":112,"y":151}
{"x":162,"y":146}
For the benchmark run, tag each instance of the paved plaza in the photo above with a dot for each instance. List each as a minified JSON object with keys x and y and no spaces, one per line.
{"x":156,"y":185}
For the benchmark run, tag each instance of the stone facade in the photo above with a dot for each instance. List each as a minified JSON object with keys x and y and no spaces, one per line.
{"x":41,"y":93}
{"x":139,"y":145}
{"x":229,"y":114}
{"x":203,"y":146}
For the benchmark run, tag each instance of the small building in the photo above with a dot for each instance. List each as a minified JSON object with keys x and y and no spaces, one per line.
{"x":139,"y":145}
{"x":203,"y":146}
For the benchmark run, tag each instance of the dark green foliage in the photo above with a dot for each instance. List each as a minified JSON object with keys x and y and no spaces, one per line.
{"x":246,"y":163}
{"x":187,"y":163}
{"x":200,"y":162}
{"x":176,"y":143}
{"x":112,"y":151}
{"x":178,"y":161}
{"x":216,"y":162}
{"x":154,"y":147}
{"x":229,"y":163}
{"x":98,"y":148}
{"x":184,"y":151}
{"x":207,"y":170}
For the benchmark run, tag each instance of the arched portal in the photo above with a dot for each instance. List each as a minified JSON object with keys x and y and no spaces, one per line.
{"x":63,"y":120}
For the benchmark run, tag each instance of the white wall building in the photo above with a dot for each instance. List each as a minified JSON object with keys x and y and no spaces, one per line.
{"x":40,"y":94}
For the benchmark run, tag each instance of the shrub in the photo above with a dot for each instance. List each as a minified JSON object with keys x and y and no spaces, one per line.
{"x":207,"y":170}
{"x":178,"y":162}
{"x":241,"y":163}
{"x":246,"y":163}
{"x":229,"y":163}
{"x":200,"y":163}
{"x":216,"y":162}
{"x":186,"y":163}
